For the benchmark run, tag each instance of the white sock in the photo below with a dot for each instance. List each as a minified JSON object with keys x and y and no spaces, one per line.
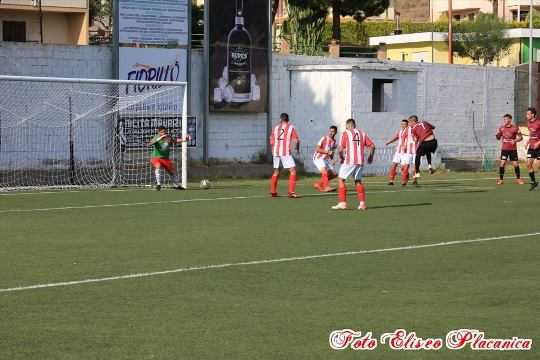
{"x":158,"y":176}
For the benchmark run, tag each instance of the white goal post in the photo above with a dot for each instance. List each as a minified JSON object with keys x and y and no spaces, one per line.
{"x":71,"y":132}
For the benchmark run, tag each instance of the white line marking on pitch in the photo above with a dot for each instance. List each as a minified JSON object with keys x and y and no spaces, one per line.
{"x":80,"y":207}
{"x":16,"y":193}
{"x":262,"y":262}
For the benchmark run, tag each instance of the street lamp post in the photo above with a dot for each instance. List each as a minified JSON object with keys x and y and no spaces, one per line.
{"x":450,"y":34}
{"x":530,"y":51}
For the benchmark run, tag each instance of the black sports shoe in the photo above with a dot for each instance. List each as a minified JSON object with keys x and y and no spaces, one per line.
{"x":431,"y":171}
{"x":158,"y":187}
{"x":390,"y":183}
{"x":179,"y":187}
{"x":534,"y":185}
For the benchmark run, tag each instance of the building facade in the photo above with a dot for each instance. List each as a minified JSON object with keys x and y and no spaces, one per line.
{"x":433,"y":48}
{"x":425,"y":10}
{"x":47,"y":21}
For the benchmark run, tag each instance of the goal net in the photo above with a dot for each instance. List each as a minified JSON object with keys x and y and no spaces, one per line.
{"x":60,"y":132}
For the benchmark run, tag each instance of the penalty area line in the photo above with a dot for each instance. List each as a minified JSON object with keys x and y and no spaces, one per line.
{"x":264,"y":262}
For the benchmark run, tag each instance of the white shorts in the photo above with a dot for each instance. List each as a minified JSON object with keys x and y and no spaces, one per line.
{"x":323,"y":164}
{"x":346,"y":171}
{"x":403,"y":159}
{"x":287,"y":161}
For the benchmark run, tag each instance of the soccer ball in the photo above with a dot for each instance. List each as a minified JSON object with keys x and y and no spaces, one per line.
{"x":205,"y":184}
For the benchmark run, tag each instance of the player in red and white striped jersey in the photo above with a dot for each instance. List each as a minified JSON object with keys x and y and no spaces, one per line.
{"x":404,"y":154}
{"x":322,"y":158}
{"x":351,"y":152}
{"x":283,"y":140}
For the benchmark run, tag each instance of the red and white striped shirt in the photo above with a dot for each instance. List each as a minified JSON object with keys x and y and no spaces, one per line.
{"x":281,"y":139}
{"x":406,"y":143}
{"x":327,"y":144}
{"x":353,"y":143}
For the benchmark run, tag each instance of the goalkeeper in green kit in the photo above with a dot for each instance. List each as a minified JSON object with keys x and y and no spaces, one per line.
{"x":161,"y":145}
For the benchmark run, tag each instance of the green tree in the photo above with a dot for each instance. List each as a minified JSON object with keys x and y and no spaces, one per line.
{"x":483,"y":39}
{"x":304,"y":28}
{"x":101,"y":10}
{"x":358,"y":9}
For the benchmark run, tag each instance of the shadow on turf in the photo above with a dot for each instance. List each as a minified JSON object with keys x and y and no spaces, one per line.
{"x":390,"y":206}
{"x":463,"y":191}
{"x":399,"y":206}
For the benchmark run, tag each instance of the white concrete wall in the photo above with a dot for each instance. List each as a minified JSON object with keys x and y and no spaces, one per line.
{"x":318,"y":99}
{"x":467,"y":104}
{"x":464,"y":102}
{"x":55,"y":60}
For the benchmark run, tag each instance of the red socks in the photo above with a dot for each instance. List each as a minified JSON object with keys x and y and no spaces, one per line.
{"x":273,"y":184}
{"x":292,"y":182}
{"x":405,"y":174}
{"x":342,"y":191}
{"x":393,"y":172}
{"x":324,"y":179}
{"x":361,"y":191}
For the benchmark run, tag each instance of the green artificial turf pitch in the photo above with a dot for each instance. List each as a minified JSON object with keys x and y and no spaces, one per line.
{"x":281,"y":309}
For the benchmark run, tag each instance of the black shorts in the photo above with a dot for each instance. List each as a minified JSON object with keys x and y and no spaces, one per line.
{"x":427,"y":147}
{"x":533,"y":154}
{"x":510,"y":155}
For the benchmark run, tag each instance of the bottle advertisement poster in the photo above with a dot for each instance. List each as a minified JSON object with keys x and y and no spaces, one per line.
{"x":238,"y":50}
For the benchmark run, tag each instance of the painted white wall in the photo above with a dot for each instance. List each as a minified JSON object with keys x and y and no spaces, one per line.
{"x":317,"y":92}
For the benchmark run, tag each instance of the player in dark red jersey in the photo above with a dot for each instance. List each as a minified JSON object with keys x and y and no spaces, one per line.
{"x":509,"y":135}
{"x":533,"y":146}
{"x":426,"y":144}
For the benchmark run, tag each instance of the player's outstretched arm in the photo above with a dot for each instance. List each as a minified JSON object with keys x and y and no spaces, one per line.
{"x":394,"y":139}
{"x":156,"y":139}
{"x":180,"y":140}
{"x":320,"y":150}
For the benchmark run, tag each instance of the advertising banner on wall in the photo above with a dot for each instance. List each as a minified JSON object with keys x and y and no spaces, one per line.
{"x":157,"y":22}
{"x":152,"y":64}
{"x":238,"y":49}
{"x":134,"y":131}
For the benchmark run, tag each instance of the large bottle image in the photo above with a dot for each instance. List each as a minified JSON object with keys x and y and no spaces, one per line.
{"x":239,"y":58}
